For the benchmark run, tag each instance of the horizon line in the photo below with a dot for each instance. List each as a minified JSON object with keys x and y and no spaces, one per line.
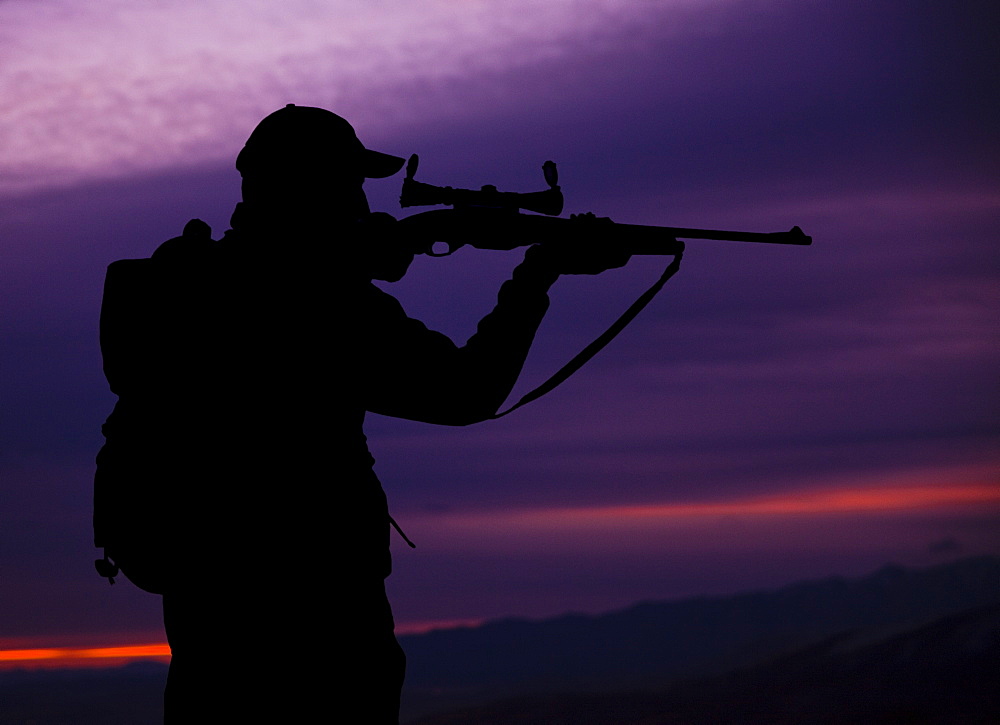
{"x":52,"y":658}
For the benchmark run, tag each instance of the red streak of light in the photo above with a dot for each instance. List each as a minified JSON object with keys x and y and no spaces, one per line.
{"x":86,"y":657}
{"x":404,"y":628}
{"x":805,"y":502}
{"x":81,"y":656}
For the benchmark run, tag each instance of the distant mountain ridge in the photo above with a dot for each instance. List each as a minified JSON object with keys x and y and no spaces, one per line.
{"x":947,"y":671}
{"x":897,"y":638}
{"x":652,"y":643}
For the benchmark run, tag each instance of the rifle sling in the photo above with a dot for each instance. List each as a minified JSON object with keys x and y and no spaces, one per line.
{"x":597,"y":345}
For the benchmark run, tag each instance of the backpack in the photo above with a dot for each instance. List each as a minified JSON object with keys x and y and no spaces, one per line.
{"x":132,"y":514}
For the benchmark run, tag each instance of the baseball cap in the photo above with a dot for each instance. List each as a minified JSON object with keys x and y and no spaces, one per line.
{"x":295,"y":134}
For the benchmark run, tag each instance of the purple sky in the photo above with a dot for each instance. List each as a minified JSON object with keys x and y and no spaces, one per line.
{"x":802,"y":400}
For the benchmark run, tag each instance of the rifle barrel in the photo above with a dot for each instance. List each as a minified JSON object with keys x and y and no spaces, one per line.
{"x":503,"y":229}
{"x":647,"y":239}
{"x":793,"y":236}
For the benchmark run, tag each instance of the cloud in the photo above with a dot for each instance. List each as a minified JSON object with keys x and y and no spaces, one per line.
{"x":111,"y":89}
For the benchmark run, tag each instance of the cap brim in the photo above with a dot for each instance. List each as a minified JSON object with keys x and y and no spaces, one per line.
{"x":376,"y":165}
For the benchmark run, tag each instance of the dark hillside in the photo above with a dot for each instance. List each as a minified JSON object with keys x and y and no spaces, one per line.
{"x":653,"y":643}
{"x":944,"y":672}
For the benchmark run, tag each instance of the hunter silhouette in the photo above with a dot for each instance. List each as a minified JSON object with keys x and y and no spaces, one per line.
{"x":235,"y":479}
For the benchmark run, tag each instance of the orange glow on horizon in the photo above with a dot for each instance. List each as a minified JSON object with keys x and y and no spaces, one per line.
{"x":53,"y":657}
{"x":87,"y":657}
{"x":81,"y":657}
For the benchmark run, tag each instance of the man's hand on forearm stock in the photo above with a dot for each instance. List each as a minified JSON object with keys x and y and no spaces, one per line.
{"x":591,"y":251}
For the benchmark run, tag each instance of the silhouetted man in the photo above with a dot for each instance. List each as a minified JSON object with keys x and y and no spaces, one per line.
{"x":236,"y":479}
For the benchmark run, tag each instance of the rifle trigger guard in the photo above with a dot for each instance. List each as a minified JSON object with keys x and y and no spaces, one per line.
{"x":452,"y":248}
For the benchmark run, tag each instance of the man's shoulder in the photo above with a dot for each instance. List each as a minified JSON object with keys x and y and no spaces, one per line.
{"x":195,"y":242}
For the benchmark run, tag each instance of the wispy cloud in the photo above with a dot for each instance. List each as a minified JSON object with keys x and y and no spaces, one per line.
{"x":914,"y":501}
{"x":896,"y":491}
{"x":93,"y":90}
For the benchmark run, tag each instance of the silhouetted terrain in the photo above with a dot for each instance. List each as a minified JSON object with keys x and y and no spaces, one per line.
{"x":900,"y":645}
{"x":944,"y":672}
{"x":130,"y":695}
{"x":653,"y":643}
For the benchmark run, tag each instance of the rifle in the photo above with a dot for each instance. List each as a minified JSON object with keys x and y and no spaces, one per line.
{"x":490,"y":219}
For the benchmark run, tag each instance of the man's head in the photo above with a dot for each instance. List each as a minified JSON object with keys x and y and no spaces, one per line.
{"x":297,"y":137}
{"x":304,"y":160}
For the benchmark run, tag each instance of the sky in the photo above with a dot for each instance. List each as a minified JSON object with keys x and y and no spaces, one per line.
{"x":777,"y":413}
